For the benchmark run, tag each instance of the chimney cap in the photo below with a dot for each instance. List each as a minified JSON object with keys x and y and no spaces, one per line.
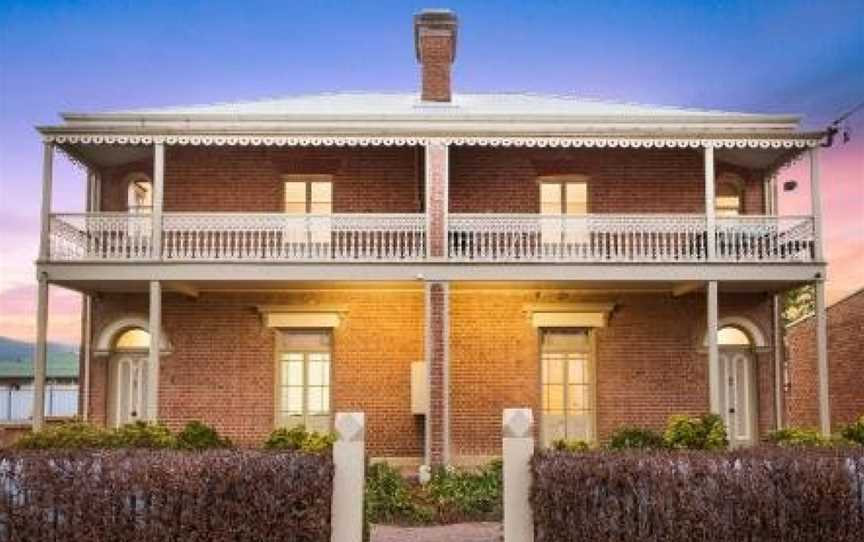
{"x":435,"y":19}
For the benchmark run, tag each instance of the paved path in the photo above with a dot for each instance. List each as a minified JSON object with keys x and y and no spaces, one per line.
{"x":459,"y":532}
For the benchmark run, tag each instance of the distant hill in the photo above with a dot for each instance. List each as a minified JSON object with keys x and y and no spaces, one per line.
{"x":16,"y":359}
{"x":14,"y":350}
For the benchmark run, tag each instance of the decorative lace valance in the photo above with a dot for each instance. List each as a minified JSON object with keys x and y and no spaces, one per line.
{"x":612,"y":141}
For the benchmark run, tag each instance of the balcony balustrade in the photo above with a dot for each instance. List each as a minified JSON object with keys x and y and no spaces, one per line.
{"x":240,"y":237}
{"x":627,"y":238}
{"x":512,"y":238}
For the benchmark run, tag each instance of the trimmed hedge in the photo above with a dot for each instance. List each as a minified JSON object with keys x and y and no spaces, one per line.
{"x":767,"y":495}
{"x":78,"y":495}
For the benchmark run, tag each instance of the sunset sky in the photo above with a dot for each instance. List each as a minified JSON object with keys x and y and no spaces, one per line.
{"x":802,"y":57}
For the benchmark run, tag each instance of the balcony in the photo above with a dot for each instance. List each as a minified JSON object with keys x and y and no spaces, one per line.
{"x":394,"y":238}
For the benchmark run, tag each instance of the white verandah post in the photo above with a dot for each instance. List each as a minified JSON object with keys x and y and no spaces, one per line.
{"x":821,"y":317}
{"x":41,"y":354}
{"x":821,"y":322}
{"x":158,"y":190}
{"x":40,"y":360}
{"x":153,"y":354}
{"x":710,"y":218}
{"x":713,"y":350}
{"x":47,"y":182}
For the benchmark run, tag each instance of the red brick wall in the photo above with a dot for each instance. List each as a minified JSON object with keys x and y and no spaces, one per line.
{"x":650,"y":361}
{"x":222,"y":367}
{"x":227,"y":179}
{"x":390,"y":179}
{"x":845,"y":366}
{"x":487,"y":180}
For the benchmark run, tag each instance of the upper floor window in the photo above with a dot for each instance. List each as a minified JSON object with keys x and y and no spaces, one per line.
{"x":308,"y":195}
{"x":139,"y":193}
{"x":566,"y":195}
{"x":728,"y":200}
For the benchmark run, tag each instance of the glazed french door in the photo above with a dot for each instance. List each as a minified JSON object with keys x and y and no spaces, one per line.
{"x":566,"y":374}
{"x":304,"y":380}
{"x":129,"y":387}
{"x":737,"y":398}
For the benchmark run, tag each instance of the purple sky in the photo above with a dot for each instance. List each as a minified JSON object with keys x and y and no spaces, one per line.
{"x":795,"y":56}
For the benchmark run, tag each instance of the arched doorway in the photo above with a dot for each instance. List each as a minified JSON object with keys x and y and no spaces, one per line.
{"x":127,"y":377}
{"x":738,"y":389}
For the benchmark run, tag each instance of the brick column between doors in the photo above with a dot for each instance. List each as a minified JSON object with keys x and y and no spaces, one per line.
{"x":436,"y":201}
{"x":437,"y":346}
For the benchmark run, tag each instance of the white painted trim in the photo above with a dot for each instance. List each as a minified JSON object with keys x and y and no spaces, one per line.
{"x":410,"y":135}
{"x":104,"y":343}
{"x":305,"y":320}
{"x":744,"y":324}
{"x":105,"y":273}
{"x":568,"y":319}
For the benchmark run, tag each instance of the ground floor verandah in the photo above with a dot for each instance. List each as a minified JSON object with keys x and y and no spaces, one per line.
{"x":586,"y":360}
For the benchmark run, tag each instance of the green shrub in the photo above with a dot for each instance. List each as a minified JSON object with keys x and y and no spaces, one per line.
{"x":388,"y":497}
{"x":72,"y":435}
{"x":792,"y":437}
{"x":143,"y":435}
{"x":467,"y":495}
{"x":570,"y":445}
{"x":854,"y":432}
{"x":627,"y":438}
{"x":298,"y":438}
{"x":200,"y":436}
{"x":451,"y":495}
{"x":706,"y":432}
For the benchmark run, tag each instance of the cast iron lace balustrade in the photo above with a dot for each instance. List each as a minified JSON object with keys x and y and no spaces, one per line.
{"x":240,"y":237}
{"x":402,"y":238}
{"x":625,"y":238}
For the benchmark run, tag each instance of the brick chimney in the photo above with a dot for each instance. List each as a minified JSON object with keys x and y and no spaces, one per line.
{"x":435,"y":42}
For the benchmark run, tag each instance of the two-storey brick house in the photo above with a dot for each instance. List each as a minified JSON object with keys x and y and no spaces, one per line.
{"x":295,"y":257}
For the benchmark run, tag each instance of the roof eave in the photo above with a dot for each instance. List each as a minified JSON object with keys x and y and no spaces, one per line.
{"x":432,"y":116}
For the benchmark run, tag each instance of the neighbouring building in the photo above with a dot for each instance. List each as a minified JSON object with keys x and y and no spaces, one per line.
{"x":429,"y":259}
{"x":845,"y":370}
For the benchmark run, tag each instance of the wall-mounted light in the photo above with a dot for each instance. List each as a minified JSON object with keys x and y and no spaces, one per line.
{"x":790,"y":185}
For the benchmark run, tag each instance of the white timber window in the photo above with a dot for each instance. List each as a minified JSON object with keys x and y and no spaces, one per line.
{"x":567,"y":389}
{"x":311,"y":196}
{"x":304,"y":368}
